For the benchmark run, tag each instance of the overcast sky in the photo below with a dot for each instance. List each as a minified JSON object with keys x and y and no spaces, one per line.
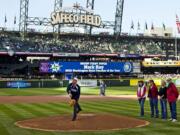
{"x":150,"y":11}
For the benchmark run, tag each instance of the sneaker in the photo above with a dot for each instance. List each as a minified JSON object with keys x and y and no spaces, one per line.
{"x":174,"y":120}
{"x":170,"y":119}
{"x":164,"y":119}
{"x":141,"y":117}
{"x":74,"y":119}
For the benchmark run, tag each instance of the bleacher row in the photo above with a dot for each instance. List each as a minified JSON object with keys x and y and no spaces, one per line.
{"x":45,"y":44}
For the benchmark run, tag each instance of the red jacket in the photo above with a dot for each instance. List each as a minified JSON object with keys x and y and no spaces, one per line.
{"x":153,"y":92}
{"x":172,"y":93}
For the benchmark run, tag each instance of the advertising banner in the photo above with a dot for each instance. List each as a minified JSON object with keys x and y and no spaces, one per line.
{"x":86,"y":67}
{"x":86,"y":83}
{"x":18,"y":84}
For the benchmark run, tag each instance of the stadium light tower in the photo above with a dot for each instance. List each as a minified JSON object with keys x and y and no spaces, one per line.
{"x":24,"y":5}
{"x":89,"y":5}
{"x":57,"y":6}
{"x":118,"y":17}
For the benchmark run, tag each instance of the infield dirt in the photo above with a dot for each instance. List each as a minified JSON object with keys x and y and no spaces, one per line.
{"x":85,"y":122}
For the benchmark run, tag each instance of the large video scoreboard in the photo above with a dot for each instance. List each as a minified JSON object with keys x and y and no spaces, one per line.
{"x":86,"y":67}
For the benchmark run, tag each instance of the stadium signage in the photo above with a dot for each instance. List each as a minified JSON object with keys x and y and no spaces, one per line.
{"x":18,"y":84}
{"x":86,"y":67}
{"x":87,"y":83}
{"x":75,"y":18}
{"x":161,"y":64}
{"x":65,"y":54}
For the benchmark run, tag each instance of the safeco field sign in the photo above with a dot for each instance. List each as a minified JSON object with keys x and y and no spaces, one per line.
{"x":73,"y":18}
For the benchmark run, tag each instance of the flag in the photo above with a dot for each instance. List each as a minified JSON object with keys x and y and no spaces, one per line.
{"x":132,"y":25}
{"x":15,"y":20}
{"x":152,"y":26}
{"x":139,"y":26}
{"x":164,"y":26}
{"x":178,"y":23}
{"x":5,"y":19}
{"x":146,"y":26}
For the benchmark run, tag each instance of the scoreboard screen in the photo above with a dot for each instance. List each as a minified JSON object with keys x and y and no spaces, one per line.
{"x":86,"y":67}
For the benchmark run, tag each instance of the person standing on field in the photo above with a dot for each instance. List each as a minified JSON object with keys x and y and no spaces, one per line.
{"x":163,"y":99}
{"x":102,"y":88}
{"x":141,"y":95}
{"x":172,"y":96}
{"x":153,"y":99}
{"x":74,"y":92}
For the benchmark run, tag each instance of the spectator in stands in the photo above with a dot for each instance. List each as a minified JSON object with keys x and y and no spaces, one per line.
{"x":163,"y":99}
{"x":172,"y":96}
{"x":47,"y":44}
{"x":153,"y":99}
{"x":141,"y":95}
{"x":162,"y":76}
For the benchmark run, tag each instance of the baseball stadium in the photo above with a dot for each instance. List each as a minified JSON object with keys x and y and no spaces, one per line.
{"x":78,"y":67}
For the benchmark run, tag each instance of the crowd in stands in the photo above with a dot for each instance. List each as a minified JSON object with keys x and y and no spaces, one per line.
{"x":162,"y":76}
{"x":45,"y":44}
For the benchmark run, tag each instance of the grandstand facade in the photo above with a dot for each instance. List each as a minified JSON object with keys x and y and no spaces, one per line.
{"x":21,"y":58}
{"x":29,"y":54}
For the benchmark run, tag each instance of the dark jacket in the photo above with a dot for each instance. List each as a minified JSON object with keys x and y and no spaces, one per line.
{"x":163,"y":92}
{"x":153,"y":92}
{"x":75,"y":91}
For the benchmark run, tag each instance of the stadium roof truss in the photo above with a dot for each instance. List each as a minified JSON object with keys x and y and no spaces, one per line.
{"x":89,"y":5}
{"x":57,"y":6}
{"x":118,"y":17}
{"x":24,"y":6}
{"x":25,"y":20}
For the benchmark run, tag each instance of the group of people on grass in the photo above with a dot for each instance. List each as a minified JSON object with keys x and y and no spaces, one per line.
{"x":167,"y":93}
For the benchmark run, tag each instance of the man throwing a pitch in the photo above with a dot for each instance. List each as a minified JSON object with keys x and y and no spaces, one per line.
{"x":74,"y":92}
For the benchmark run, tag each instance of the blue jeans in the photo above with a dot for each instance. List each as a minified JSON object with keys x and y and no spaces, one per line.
{"x":154,"y":106}
{"x":163,"y":103}
{"x":173,"y":110}
{"x":141,"y":103}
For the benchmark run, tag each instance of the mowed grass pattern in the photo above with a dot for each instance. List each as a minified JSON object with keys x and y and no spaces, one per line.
{"x":10,"y":113}
{"x":62,"y":91}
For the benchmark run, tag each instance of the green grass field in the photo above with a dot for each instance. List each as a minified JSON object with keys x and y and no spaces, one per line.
{"x":62,"y":91}
{"x":10,"y":113}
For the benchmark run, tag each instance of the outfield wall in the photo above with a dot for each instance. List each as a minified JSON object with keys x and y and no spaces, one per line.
{"x":34,"y":84}
{"x":134,"y":82}
{"x":84,"y":83}
{"x":60,"y":83}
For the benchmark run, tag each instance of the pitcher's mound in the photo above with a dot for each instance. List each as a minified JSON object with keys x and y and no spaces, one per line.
{"x":84,"y":122}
